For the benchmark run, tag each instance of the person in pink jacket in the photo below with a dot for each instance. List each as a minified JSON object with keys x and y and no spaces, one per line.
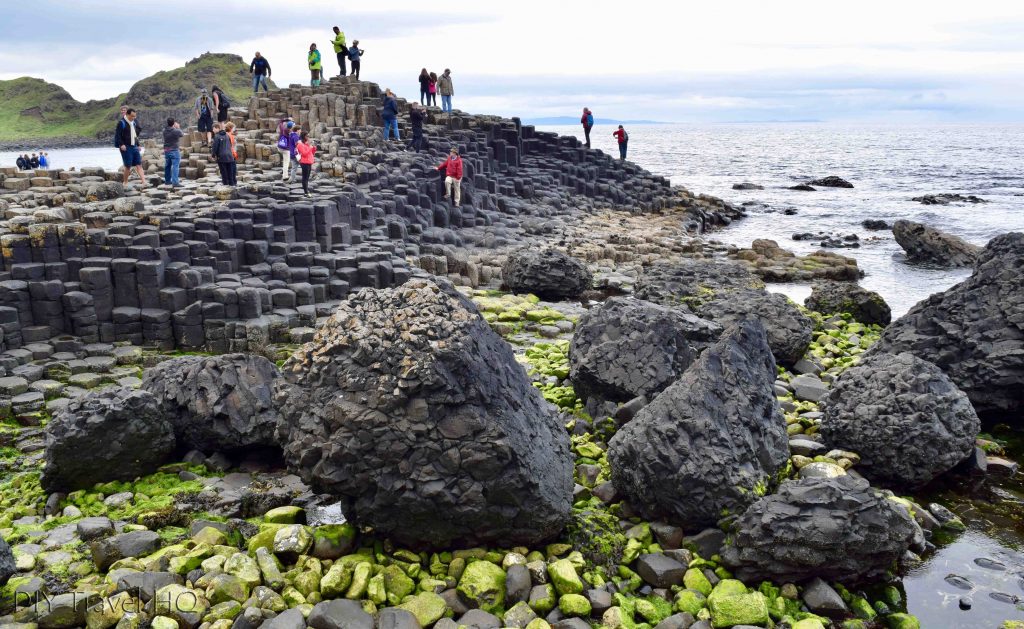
{"x":306,"y":151}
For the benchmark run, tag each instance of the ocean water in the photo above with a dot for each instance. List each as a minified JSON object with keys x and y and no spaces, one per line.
{"x":102,"y":156}
{"x":887,"y":165}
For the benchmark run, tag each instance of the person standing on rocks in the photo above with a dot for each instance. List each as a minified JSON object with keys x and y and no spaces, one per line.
{"x":259,"y":67}
{"x":452,"y":168}
{"x":389,"y":113}
{"x":172,"y":152}
{"x":204,"y":115}
{"x":286,"y":146}
{"x":221,"y":153}
{"x":22,"y":162}
{"x":43,"y":161}
{"x":424,"y":87}
{"x":623,"y":138}
{"x":315,"y":66}
{"x":355,"y":55}
{"x":432,"y":90}
{"x":587,"y":120}
{"x":340,"y":49}
{"x":230,"y":128}
{"x":447,"y":90}
{"x":416,"y":117}
{"x":306,"y":151}
{"x":221,"y":103}
{"x":126,"y":138}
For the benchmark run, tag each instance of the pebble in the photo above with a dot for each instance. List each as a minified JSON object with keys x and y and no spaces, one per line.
{"x":960,"y":582}
{"x":990,"y":564}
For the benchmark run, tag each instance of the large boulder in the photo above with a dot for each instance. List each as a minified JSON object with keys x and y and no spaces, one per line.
{"x":831,"y":181}
{"x":974,"y":331}
{"x":839,"y":529}
{"x":692,"y":282}
{"x":116,"y":433}
{"x":624,"y":348}
{"x":412,"y":411}
{"x":789,"y":331}
{"x":547,"y":273}
{"x":218,"y":403}
{"x":905,"y":418}
{"x":931,"y":246}
{"x":710,"y":443}
{"x":7,"y":564}
{"x":863,"y":305}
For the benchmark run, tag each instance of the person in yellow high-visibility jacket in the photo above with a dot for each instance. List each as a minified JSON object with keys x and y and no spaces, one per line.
{"x":340,"y":49}
{"x":315,"y":67}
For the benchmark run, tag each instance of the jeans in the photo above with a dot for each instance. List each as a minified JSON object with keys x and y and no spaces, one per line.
{"x":418,"y":142}
{"x":451,"y":184}
{"x":355,"y":67}
{"x":172,"y":161}
{"x":446,"y":103}
{"x":306,"y":168}
{"x":228,"y":172}
{"x":257,"y":79}
{"x":622,"y":150}
{"x":391,"y":123}
{"x":424,"y":96}
{"x":341,"y":61}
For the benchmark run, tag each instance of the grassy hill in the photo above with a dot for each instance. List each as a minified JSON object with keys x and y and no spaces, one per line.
{"x":32,"y":109}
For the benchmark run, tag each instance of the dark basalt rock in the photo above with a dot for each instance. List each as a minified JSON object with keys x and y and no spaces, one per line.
{"x":7,"y":565}
{"x":839,"y":529}
{"x":789,"y":330}
{"x":217,"y":403}
{"x":692,"y":282}
{"x":974,"y":331}
{"x":874,"y":224}
{"x":864,"y":305}
{"x":802,"y":187}
{"x":548,"y":273}
{"x":947,"y":198}
{"x":408,"y":407}
{"x":624,"y":348}
{"x":831,"y":182}
{"x":930,"y":246}
{"x":905,"y":418}
{"x":111,"y":434}
{"x":709,"y":442}
{"x":747,"y":186}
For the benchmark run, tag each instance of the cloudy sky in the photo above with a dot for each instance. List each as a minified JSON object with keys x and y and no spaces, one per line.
{"x":728,"y":60}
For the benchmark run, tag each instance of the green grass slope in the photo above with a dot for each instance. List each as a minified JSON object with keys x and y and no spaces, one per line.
{"x":34,"y":109}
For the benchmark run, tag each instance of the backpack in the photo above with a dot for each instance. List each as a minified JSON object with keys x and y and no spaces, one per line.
{"x":590,"y":120}
{"x":353,"y":53}
{"x":225,"y":102}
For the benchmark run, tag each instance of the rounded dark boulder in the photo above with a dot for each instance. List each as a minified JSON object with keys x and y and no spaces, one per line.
{"x":863,"y":305}
{"x":547,"y":273}
{"x":624,"y":348}
{"x":7,"y":564}
{"x":905,"y":418}
{"x":788,"y":330}
{"x":217,"y":403}
{"x":832,"y":181}
{"x":711,"y":442}
{"x":112,"y":434}
{"x":928,"y":245}
{"x":839,"y":529}
{"x":412,"y":411}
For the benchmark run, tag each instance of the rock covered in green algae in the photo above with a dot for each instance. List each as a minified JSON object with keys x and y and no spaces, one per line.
{"x":484,"y":583}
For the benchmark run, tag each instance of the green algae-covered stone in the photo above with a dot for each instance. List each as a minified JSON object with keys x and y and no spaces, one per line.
{"x":538,"y":623}
{"x":574,"y":605}
{"x":307,"y":582}
{"x":727,"y":587}
{"x":563,"y":576}
{"x":285,"y":515}
{"x":226,"y":587}
{"x":265,"y":538}
{"x":397,"y":584}
{"x":484,"y":583}
{"x":427,"y":607}
{"x":808,"y":623}
{"x":902,"y":621}
{"x":211,"y":536}
{"x":545,"y":602}
{"x":270,"y":568}
{"x":337,"y":580}
{"x":739,"y":609}
{"x":245,"y":568}
{"x":694,"y":579}
{"x":227,"y":610}
{"x":292,"y":540}
{"x":360,"y":581}
{"x":375,"y":590}
{"x":163,"y":622}
{"x":332,"y":541}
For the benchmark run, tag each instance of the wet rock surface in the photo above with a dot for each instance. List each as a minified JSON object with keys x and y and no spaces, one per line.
{"x":412,"y":410}
{"x":929,"y":245}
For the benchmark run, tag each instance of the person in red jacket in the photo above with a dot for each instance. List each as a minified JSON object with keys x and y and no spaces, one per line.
{"x":587,"y":120}
{"x":623,"y":138}
{"x":452,"y":168}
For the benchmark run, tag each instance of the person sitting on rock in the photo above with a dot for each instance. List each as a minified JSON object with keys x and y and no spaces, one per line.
{"x":452,"y":168}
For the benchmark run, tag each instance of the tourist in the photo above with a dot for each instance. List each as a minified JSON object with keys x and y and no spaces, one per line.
{"x":444,"y":86}
{"x":22,"y":162}
{"x":340,"y":49}
{"x":416,"y":116}
{"x":43,"y":162}
{"x":204,"y":115}
{"x":221,"y":102}
{"x":390,"y":113}
{"x":587,"y":120}
{"x":623,"y":139}
{"x":285,"y":146}
{"x":306,"y":151}
{"x":452,"y":168}
{"x":355,"y":54}
{"x":34,"y":161}
{"x":172,"y":152}
{"x":126,"y":138}
{"x":220,"y":151}
{"x":259,"y":67}
{"x":230,"y":128}
{"x":432,"y":90}
{"x":315,"y":66}
{"x":424,"y":86}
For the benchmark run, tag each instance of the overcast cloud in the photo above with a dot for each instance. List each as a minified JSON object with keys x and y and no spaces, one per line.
{"x":730,"y":60}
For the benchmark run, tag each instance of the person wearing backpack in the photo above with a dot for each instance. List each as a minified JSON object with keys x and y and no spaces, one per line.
{"x":355,"y":54}
{"x":285,"y":146}
{"x":623,"y":139}
{"x":389,"y":112}
{"x":315,"y":66}
{"x":587,"y":120}
{"x":447,"y":90}
{"x":204,"y":115}
{"x":259,"y":67}
{"x":220,"y":151}
{"x":221,"y":102}
{"x":340,"y":49}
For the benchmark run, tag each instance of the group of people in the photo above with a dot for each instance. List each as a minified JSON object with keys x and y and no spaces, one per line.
{"x":213,"y":103}
{"x":27,"y":162}
{"x":431,"y":85}
{"x":296,"y":149}
{"x":587,"y":120}
{"x":353,"y":54}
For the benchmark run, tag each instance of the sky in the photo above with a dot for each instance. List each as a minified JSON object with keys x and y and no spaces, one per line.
{"x":899,"y":61}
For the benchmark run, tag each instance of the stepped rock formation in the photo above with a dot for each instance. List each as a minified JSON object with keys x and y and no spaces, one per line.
{"x":974,"y":331}
{"x":409,"y":408}
{"x":710,"y":443}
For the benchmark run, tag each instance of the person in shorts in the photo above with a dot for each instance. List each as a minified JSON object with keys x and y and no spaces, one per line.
{"x":126,"y":139}
{"x":204,"y":115}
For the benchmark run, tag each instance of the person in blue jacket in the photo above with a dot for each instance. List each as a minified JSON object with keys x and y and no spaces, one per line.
{"x":259,"y":67}
{"x":390,"y":113}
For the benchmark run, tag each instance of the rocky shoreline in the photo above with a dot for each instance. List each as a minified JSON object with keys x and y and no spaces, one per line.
{"x":561,"y":405}
{"x":52,"y":144}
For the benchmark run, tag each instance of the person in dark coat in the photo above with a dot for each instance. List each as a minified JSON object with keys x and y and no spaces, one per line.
{"x":389,"y":112}
{"x":22,"y":163}
{"x":416,"y":116}
{"x":221,"y":151}
{"x":424,"y":87}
